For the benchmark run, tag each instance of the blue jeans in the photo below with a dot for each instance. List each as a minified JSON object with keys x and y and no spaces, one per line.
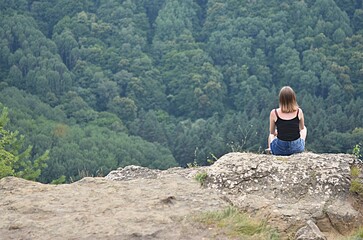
{"x":286,"y":148}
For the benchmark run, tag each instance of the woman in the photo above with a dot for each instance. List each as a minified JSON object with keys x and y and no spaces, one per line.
{"x":288,"y":119}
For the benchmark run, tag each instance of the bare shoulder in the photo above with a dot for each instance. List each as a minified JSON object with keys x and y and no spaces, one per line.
{"x":301,"y":113}
{"x":273,"y":115}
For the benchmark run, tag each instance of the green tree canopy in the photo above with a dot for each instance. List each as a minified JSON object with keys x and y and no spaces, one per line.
{"x":14,"y":161}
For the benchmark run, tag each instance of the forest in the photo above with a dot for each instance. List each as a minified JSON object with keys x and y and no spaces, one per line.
{"x":88,"y":86}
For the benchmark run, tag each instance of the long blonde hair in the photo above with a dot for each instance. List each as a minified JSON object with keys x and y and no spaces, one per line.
{"x":287,"y":99}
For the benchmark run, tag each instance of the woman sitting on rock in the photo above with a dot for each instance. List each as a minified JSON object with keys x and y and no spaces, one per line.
{"x":289,"y":138}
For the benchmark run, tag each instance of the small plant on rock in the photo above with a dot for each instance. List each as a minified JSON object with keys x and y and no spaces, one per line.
{"x":357,"y":152}
{"x":356,"y":184}
{"x":193,"y":164}
{"x":212,"y":160}
{"x":201,"y":177}
{"x":359,"y":234}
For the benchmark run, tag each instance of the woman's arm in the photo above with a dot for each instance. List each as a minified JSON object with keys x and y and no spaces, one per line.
{"x":302,"y":121}
{"x":273,"y":133}
{"x":273,"y":119}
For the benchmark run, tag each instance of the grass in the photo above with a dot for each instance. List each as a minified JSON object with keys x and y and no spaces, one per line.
{"x":236,"y":224}
{"x":356,"y":235}
{"x":354,"y":171}
{"x":356,"y":184}
{"x":359,"y":233}
{"x":201,"y":177}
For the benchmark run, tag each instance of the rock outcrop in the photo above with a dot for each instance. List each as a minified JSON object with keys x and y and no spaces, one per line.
{"x":98,"y":208}
{"x":305,"y":196}
{"x":309,"y":232}
{"x":290,"y":191}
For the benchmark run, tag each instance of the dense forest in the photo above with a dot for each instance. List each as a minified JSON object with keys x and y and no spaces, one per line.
{"x":96,"y":84}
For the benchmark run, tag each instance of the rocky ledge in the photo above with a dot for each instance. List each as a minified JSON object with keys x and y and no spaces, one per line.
{"x":305,"y":196}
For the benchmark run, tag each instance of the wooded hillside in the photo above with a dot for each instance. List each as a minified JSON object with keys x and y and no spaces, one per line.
{"x":162,"y":83}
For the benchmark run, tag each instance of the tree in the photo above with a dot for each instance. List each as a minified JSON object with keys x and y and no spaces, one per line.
{"x":182,"y":77}
{"x":339,"y":35}
{"x":13,"y":162}
{"x":125,"y":108}
{"x":358,"y":20}
{"x":174,"y":18}
{"x":347,"y":5}
{"x":75,"y":107}
{"x":42,"y":71}
{"x":67,"y":48}
{"x":49,"y":12}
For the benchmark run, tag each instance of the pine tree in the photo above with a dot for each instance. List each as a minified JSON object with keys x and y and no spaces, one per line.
{"x":12,"y":161}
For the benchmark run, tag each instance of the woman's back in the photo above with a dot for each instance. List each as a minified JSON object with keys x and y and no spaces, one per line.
{"x":286,"y":115}
{"x":288,"y":119}
{"x":287,"y":126}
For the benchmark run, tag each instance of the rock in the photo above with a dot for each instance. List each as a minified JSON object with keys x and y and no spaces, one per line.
{"x":291,"y":190}
{"x":324,"y":224}
{"x":309,"y":232}
{"x":343,"y":216}
{"x":310,"y":190}
{"x":132,"y":172}
{"x":99,"y":208}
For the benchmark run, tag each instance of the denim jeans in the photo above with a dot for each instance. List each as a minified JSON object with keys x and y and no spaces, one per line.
{"x":286,"y":148}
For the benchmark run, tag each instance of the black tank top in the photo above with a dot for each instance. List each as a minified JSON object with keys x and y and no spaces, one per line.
{"x":288,"y":130}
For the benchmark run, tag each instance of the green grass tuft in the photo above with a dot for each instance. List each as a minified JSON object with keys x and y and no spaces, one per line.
{"x":237,"y":224}
{"x":201,"y":177}
{"x":356,"y":186}
{"x":354,"y":171}
{"x":359,"y":233}
{"x":356,"y":183}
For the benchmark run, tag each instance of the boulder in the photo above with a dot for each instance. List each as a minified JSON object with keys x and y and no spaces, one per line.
{"x":343,"y":216}
{"x":309,"y":232}
{"x":289,"y":190}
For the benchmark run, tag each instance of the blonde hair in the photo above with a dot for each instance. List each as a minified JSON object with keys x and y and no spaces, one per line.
{"x":287,"y":99}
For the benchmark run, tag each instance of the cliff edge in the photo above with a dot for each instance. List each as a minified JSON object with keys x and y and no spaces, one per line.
{"x":291,"y":192}
{"x":305,"y":196}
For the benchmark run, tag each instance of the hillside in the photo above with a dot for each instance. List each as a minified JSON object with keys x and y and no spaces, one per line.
{"x":164,"y":83}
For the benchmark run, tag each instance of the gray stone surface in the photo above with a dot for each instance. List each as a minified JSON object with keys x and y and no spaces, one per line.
{"x":309,"y":232}
{"x":305,"y":196}
{"x":291,"y":190}
{"x":343,"y":216}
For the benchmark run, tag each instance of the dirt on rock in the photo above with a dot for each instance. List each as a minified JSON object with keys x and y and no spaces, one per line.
{"x":99,"y":208}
